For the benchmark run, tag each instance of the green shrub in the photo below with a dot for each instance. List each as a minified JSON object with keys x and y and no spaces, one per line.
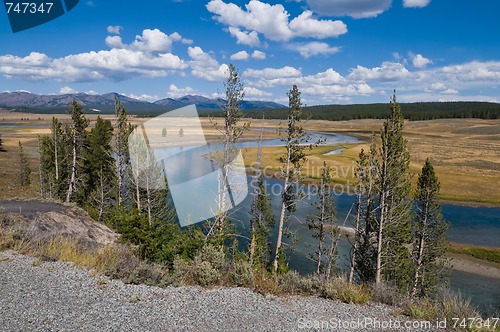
{"x":340,"y":289}
{"x":241,"y":274}
{"x":387,"y":294}
{"x":311,"y":284}
{"x":330,"y":290}
{"x":207,"y":274}
{"x":181,"y":274}
{"x":446,"y":305}
{"x":144,"y":273}
{"x":290,"y":282}
{"x":213,"y":255}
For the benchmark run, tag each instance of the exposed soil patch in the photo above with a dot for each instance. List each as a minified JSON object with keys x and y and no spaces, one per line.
{"x":40,"y":221}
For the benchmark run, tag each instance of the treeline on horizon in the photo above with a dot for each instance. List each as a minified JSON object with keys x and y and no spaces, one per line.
{"x":413,"y":111}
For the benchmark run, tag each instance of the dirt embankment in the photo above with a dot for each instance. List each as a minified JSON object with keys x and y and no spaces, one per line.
{"x":39,"y":221}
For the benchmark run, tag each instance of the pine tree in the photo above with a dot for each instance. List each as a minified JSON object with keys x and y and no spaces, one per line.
{"x":363,"y":256}
{"x":100,"y":167}
{"x":262,"y":215}
{"x":262,"y":222}
{"x":395,"y":204}
{"x":122,"y":156}
{"x":430,"y":238}
{"x":54,"y":167}
{"x":293,"y":161}
{"x":323,"y":224}
{"x":220,"y":228}
{"x":24,"y":168}
{"x":78,"y":136}
{"x":147,"y":181}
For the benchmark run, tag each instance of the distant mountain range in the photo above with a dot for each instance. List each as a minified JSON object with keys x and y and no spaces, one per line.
{"x":25,"y":101}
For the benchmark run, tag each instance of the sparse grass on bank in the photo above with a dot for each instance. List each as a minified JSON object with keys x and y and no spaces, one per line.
{"x":484,"y":253}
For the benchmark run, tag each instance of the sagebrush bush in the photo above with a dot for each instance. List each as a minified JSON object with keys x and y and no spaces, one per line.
{"x":445,"y":305}
{"x":241,"y":274}
{"x":330,"y":290}
{"x":208,"y":265}
{"x":213,"y":255}
{"x":387,"y":294}
{"x":207,"y":274}
{"x":341,"y":289}
{"x":311,"y":284}
{"x":290,"y":282}
{"x":181,"y":274}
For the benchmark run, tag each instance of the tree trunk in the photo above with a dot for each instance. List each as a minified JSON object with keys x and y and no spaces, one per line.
{"x":420,"y":252}
{"x":356,"y":241}
{"x":419,"y":265}
{"x":321,"y":234}
{"x":72,"y":181}
{"x":283,"y":209}
{"x":378,"y":272}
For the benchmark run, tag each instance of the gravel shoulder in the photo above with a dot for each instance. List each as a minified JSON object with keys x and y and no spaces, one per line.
{"x":57,"y":296}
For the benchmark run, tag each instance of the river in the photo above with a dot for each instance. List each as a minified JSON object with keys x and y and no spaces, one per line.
{"x":479,"y":226}
{"x":473,"y":225}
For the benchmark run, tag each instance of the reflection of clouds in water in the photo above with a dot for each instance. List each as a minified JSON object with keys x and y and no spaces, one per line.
{"x":177,"y":140}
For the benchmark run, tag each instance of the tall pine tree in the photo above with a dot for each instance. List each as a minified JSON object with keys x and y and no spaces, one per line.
{"x":323,"y":224}
{"x":262,"y":215}
{"x":363,"y":254}
{"x":122,"y":131}
{"x":430,"y":238}
{"x":100,"y":167}
{"x":293,"y":161}
{"x":78,"y":139}
{"x":54,"y":158}
{"x":394,"y":235}
{"x":221,"y":229}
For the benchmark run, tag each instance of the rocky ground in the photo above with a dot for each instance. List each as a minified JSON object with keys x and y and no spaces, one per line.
{"x":56,"y":296}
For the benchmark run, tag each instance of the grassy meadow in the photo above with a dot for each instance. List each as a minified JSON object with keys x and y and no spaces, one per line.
{"x":465,"y":152}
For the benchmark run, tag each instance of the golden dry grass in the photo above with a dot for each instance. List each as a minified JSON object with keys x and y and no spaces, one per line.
{"x":465,"y":152}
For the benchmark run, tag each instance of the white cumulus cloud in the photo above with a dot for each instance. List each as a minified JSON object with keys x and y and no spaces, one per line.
{"x":416,"y":3}
{"x":150,"y":41}
{"x":255,"y":93}
{"x":307,"y":50}
{"x":273,"y":21}
{"x":273,"y":73}
{"x":258,"y":55}
{"x":242,"y":55}
{"x":175,"y":92}
{"x":250,"y":38}
{"x":327,"y":77}
{"x":204,"y":66}
{"x":67,"y":90}
{"x":353,"y":8}
{"x":305,"y":25}
{"x":388,"y":71}
{"x":420,"y":62}
{"x":114,"y":29}
{"x":115,"y":64}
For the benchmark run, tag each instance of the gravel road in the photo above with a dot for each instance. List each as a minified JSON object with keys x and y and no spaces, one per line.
{"x":56,"y":296}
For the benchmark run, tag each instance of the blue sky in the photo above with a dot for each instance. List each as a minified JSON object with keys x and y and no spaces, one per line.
{"x":336,"y":51}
